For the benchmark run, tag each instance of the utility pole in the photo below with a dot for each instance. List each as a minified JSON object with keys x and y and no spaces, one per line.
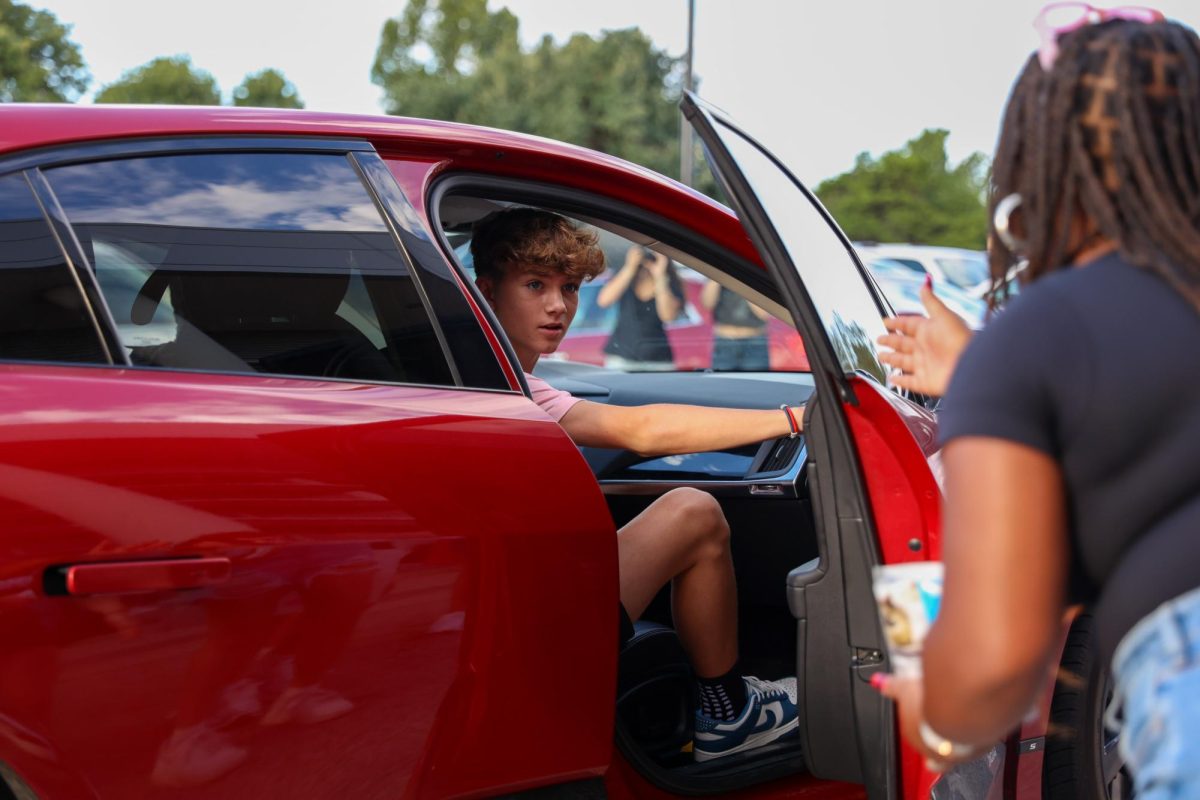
{"x":685,"y":129}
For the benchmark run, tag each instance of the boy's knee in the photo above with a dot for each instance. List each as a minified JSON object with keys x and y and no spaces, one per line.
{"x":705,"y":518}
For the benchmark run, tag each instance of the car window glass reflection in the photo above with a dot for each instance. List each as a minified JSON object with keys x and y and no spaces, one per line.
{"x":846,"y":307}
{"x":275,"y":263}
{"x":238,"y":191}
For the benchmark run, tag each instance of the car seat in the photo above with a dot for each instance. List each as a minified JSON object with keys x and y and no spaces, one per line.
{"x":268,"y":321}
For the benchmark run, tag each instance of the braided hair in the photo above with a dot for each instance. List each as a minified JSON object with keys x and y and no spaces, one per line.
{"x":1108,"y":137}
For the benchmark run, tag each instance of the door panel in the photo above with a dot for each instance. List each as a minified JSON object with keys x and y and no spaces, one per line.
{"x":401,"y":600}
{"x":868,"y":510}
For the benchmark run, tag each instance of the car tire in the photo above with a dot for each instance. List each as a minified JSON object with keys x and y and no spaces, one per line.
{"x":1081,"y":759}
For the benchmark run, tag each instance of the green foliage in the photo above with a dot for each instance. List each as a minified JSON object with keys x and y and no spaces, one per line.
{"x":912,"y":195}
{"x":38,"y":63}
{"x":455,"y":60}
{"x":267,"y":89}
{"x":170,"y":81}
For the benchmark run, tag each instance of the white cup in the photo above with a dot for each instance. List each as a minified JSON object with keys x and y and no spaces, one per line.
{"x":908,"y":597}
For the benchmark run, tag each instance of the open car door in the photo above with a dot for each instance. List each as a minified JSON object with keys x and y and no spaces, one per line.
{"x":873,"y":491}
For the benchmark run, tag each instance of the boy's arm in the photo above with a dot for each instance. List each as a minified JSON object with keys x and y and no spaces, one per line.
{"x":668,"y":429}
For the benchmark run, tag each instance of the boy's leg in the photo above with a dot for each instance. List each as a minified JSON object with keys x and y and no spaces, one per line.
{"x":682,"y":537}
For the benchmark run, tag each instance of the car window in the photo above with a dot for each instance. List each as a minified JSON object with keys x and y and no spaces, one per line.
{"x":910,"y":264}
{"x":43,"y":316}
{"x":269,"y":262}
{"x":840,"y":293}
{"x":713,"y":328}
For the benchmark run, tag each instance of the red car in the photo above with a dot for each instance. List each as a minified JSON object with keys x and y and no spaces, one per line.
{"x":281,"y":519}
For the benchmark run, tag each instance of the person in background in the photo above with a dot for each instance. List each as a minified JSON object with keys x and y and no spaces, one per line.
{"x":650,"y":294}
{"x":1071,"y":423}
{"x":529,"y":265}
{"x":739,"y":330}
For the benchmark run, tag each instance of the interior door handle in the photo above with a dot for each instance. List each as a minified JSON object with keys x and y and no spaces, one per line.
{"x":152,"y":575}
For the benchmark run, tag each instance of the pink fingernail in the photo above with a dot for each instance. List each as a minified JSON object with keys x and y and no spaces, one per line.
{"x":928,"y":281}
{"x":879,"y":680}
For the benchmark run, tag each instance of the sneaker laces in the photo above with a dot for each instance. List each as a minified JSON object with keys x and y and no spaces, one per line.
{"x":768,"y":688}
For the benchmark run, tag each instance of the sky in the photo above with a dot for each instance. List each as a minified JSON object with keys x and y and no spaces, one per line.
{"x":816,"y":81}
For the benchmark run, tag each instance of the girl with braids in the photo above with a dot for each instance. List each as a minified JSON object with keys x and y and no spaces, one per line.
{"x":1071,"y":424}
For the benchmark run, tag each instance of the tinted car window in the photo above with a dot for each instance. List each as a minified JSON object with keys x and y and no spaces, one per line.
{"x":43,"y":316}
{"x":276,"y":263}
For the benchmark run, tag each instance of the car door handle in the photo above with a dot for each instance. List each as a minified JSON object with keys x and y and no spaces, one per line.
{"x":151,"y":575}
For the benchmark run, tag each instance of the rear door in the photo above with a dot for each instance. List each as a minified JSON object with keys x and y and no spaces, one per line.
{"x":271,"y":539}
{"x":873,"y":491}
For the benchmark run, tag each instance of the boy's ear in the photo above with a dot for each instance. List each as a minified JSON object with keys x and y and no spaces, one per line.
{"x":487,"y":287}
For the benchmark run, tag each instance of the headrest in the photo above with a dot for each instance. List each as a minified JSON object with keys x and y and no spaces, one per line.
{"x":209,"y":294}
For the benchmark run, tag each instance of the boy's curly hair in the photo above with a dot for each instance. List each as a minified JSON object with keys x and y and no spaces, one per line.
{"x":534,"y":238}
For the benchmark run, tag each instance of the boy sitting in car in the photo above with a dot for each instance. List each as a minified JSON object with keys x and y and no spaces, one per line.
{"x":529,"y":265}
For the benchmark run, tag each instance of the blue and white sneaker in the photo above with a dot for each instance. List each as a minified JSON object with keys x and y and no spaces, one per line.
{"x":770,"y":714}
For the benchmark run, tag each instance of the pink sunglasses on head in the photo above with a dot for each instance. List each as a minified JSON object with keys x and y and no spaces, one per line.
{"x":1057,"y":19}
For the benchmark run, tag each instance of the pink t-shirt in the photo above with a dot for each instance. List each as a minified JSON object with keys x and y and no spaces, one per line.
{"x":554,"y":402}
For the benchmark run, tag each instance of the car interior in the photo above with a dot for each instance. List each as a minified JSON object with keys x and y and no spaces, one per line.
{"x":762,"y":489}
{"x":182,"y":299}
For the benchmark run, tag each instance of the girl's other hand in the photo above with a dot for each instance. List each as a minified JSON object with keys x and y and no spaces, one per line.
{"x":925,"y":349}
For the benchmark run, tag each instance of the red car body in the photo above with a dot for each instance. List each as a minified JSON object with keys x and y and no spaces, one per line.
{"x":169,"y":532}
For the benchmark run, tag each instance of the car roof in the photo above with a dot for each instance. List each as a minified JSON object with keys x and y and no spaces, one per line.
{"x":468,"y":147}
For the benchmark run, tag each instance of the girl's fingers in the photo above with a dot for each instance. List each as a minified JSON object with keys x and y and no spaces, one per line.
{"x":901,"y":344}
{"x":907,"y":325}
{"x":901,"y":361}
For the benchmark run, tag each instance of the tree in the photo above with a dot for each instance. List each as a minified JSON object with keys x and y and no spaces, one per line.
{"x":429,"y":55}
{"x":38,"y":62}
{"x":912,"y":195}
{"x":267,"y":89}
{"x":165,"y":80}
{"x":455,"y":60}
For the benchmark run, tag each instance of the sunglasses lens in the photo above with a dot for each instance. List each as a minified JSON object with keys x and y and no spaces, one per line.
{"x":1065,"y":16}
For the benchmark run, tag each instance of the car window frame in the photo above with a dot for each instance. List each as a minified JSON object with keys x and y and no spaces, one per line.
{"x":354,"y":151}
{"x":79,"y":285}
{"x":583,"y":204}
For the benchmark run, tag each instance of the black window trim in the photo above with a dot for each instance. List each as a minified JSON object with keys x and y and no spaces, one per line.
{"x":31,"y":163}
{"x":364,"y":170}
{"x":137,"y":147}
{"x":94,"y":301}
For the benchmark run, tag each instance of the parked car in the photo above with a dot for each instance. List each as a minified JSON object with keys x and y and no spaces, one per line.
{"x":902,"y":288}
{"x":964,"y":269}
{"x":282,"y":520}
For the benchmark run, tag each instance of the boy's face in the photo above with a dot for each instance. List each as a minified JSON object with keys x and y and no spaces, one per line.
{"x":534,"y":306}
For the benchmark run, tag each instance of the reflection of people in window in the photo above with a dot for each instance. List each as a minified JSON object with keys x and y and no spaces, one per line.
{"x":650,"y":294}
{"x":739,"y":330}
